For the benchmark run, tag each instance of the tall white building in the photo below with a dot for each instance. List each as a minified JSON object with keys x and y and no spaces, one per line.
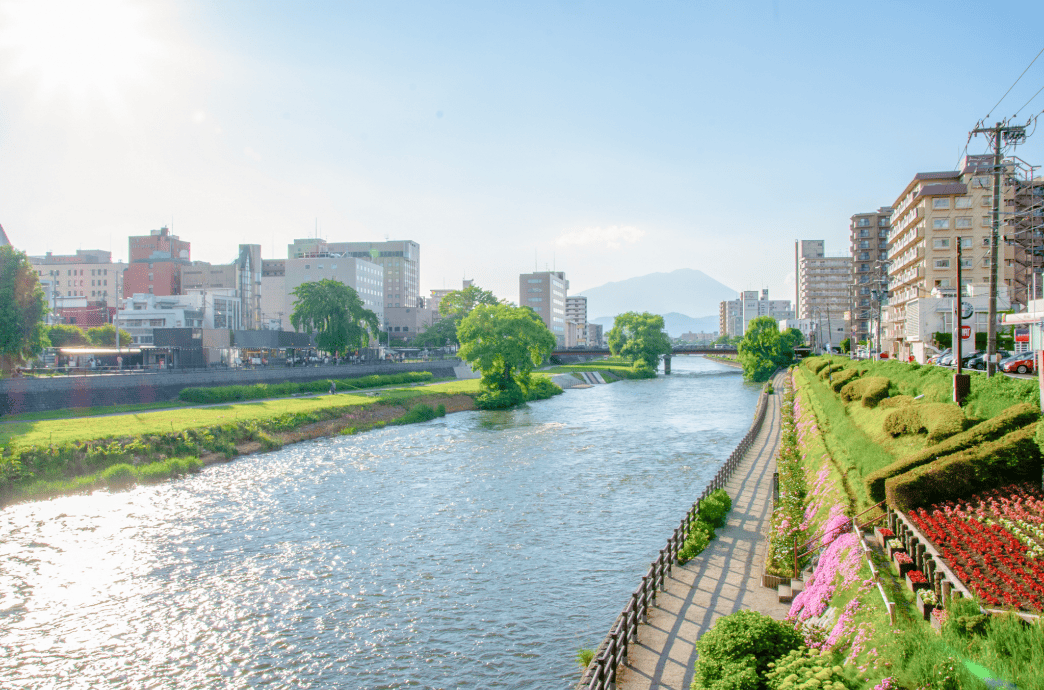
{"x":824,"y":289}
{"x":576,"y":312}
{"x":545,"y":293}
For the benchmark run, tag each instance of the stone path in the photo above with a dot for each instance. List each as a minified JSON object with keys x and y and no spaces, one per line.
{"x":725,"y":578}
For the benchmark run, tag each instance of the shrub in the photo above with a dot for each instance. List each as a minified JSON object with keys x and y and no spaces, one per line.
{"x":840,"y":378}
{"x":700,"y":535}
{"x":715,"y":508}
{"x":896,"y":401}
{"x":117,"y":476}
{"x":737,"y":651}
{"x":794,"y":670}
{"x":420,"y":413}
{"x":542,"y":388}
{"x":816,"y":364}
{"x":904,"y":421}
{"x":875,"y":389}
{"x":1015,"y":417}
{"x":1012,"y":458}
{"x":942,"y":420}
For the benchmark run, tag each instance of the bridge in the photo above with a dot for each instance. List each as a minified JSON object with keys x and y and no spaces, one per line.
{"x":676,"y":350}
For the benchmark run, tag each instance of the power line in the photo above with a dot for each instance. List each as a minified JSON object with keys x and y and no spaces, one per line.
{"x":1028,"y":102}
{"x":1016,"y":82}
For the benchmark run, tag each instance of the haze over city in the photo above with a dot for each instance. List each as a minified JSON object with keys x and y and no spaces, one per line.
{"x":607,"y":140}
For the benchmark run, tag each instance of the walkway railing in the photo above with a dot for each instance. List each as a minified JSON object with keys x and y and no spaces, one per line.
{"x":601,"y":672}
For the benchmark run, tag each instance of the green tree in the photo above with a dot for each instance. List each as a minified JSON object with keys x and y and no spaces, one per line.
{"x":453,"y":307}
{"x":846,"y":345}
{"x":504,"y":343}
{"x":336,"y":313}
{"x":764,"y":349}
{"x":105,"y":336}
{"x":66,"y":335}
{"x":641,"y":339}
{"x":22,"y":310}
{"x":796,"y":337}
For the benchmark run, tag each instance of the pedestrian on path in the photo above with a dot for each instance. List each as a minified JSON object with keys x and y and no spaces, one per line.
{"x":333,"y":387}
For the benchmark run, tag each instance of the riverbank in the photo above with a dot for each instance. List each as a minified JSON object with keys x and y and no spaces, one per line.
{"x":41,"y":459}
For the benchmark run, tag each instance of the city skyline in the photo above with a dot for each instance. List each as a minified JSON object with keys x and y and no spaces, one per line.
{"x":605,"y":141}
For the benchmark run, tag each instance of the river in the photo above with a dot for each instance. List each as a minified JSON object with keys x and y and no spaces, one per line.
{"x":479,"y":550}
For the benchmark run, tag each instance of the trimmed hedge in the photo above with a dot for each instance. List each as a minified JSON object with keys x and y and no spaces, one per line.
{"x":940,"y":420}
{"x":1012,"y":458}
{"x":896,"y":401}
{"x":840,"y":378}
{"x":1015,"y":417}
{"x":816,"y":364}
{"x":220,"y":394}
{"x":871,"y":390}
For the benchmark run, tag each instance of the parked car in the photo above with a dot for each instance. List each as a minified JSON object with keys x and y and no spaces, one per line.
{"x":1022,"y":363}
{"x":945,"y":359}
{"x":934,"y":359}
{"x":979,"y":361}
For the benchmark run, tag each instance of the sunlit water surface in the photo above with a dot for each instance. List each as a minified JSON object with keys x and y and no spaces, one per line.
{"x":480,"y":550}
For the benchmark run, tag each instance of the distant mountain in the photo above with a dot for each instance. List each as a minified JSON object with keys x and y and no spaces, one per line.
{"x":685,"y":291}
{"x":675,"y":323}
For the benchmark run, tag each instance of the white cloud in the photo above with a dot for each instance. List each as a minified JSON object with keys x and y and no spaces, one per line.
{"x":251,"y":153}
{"x":612,"y":237}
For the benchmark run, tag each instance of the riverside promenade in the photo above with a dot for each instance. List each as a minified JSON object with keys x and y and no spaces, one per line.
{"x":725,"y":578}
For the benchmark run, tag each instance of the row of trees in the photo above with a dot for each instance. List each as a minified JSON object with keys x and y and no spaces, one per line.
{"x":764,"y":348}
{"x":68,"y":335}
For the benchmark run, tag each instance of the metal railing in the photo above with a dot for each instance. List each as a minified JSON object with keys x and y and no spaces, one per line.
{"x":815,"y":543}
{"x":601,"y":672}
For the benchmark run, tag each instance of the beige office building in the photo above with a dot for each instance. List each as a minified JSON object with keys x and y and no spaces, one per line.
{"x":932,"y":211}
{"x":89,"y":273}
{"x":399,"y":260}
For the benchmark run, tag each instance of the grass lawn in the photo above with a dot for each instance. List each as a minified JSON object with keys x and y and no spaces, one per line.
{"x":27,"y":433}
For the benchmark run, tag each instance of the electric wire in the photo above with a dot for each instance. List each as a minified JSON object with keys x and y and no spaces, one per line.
{"x":1013,"y":85}
{"x":1028,"y":102}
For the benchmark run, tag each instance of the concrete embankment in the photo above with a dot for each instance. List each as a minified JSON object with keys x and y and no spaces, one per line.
{"x":63,"y":392}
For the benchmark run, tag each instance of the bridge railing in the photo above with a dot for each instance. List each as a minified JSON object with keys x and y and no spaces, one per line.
{"x":601,"y":672}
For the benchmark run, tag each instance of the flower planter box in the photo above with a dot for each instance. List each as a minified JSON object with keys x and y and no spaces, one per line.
{"x":938,"y":619}
{"x":914,"y":586}
{"x":883,"y":534}
{"x":902,"y":567}
{"x":891,"y":552}
{"x":926,"y":609}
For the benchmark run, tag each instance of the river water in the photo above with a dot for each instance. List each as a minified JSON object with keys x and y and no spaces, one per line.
{"x":480,"y":550}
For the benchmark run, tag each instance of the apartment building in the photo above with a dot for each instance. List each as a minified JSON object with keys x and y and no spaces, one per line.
{"x":398,"y":259}
{"x":545,"y":293}
{"x":730,"y":318}
{"x":1025,"y":231}
{"x":868,"y":244}
{"x":823,"y":290}
{"x":576,"y":312}
{"x":155,"y":263}
{"x":362,"y":275}
{"x":755,"y":305}
{"x":931,"y":212}
{"x":89,"y":273}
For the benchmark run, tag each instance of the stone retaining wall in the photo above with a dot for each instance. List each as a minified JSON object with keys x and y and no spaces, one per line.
{"x":60,"y":392}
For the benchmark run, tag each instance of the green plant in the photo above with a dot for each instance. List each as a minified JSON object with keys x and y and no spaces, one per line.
{"x":585,"y":656}
{"x":1014,"y":457}
{"x":1015,"y":417}
{"x":737,"y":650}
{"x":807,"y":669}
{"x":118,"y":476}
{"x":715,"y":508}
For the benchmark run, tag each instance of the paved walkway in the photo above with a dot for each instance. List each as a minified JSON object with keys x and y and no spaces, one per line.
{"x":725,"y":578}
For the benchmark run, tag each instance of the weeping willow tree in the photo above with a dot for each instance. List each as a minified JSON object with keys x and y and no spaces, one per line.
{"x":336,"y":314}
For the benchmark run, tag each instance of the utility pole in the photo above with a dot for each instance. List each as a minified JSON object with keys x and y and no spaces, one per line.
{"x":1014,"y":134}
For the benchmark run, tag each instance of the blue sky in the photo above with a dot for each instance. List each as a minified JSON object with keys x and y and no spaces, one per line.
{"x":607,"y":140}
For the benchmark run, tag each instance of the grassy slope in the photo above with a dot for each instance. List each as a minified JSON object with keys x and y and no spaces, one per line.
{"x":120,"y":426}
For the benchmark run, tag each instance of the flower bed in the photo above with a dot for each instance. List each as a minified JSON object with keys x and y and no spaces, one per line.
{"x":903,"y":562}
{"x":915,"y":580}
{"x":883,"y":535}
{"x":993,"y":542}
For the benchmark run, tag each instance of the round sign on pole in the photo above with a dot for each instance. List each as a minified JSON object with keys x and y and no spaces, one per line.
{"x":967,"y":310}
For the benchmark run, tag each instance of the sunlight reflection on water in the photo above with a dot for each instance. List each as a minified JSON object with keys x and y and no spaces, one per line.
{"x":478,"y":550}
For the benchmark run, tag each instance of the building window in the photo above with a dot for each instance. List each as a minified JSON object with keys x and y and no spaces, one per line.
{"x":987,"y":222}
{"x":882,"y":222}
{"x":962,"y":202}
{"x":981,"y":182}
{"x":966,"y":263}
{"x":941,"y":243}
{"x":941,"y":203}
{"x":942,"y":263}
{"x":940,"y":223}
{"x":962,"y":222}
{"x":863,"y":222}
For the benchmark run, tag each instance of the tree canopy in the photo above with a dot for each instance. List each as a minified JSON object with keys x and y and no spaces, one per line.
{"x":641,"y":339}
{"x":453,"y":307}
{"x":764,"y":349}
{"x":337,"y":315}
{"x":22,"y":310}
{"x":105,"y":336}
{"x":66,"y":335}
{"x":504,"y":343}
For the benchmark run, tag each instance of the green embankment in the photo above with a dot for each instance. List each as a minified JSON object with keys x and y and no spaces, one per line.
{"x":860,"y":646}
